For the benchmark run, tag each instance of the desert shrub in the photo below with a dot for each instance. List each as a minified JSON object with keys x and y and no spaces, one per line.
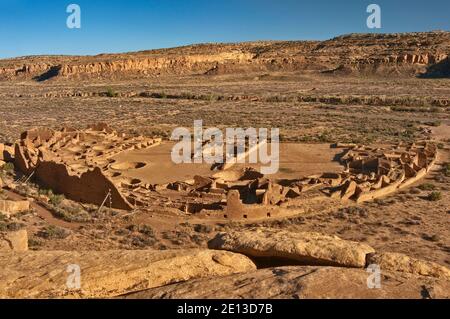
{"x":141,"y":242}
{"x":32,"y":243}
{"x":15,"y":226}
{"x":70,"y":214}
{"x":111,"y":93}
{"x":203,"y":228}
{"x":447,"y":169}
{"x":435,"y":196}
{"x":433,"y":238}
{"x":122,"y":232}
{"x":132,"y":228}
{"x":54,"y":232}
{"x":56,"y":200}
{"x":8,"y":167}
{"x":211,"y":97}
{"x":6,"y":226}
{"x":352,"y":211}
{"x":433,"y":123}
{"x":427,"y":187}
{"x":146,"y":230}
{"x":43,"y":192}
{"x":160,"y":95}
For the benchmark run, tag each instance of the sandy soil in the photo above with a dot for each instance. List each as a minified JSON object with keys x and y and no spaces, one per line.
{"x":405,"y":222}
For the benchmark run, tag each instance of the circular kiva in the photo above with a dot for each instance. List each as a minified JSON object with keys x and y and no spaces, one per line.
{"x":123,"y":166}
{"x":131,"y":183}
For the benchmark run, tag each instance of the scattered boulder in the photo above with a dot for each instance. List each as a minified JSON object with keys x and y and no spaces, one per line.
{"x":303,"y":283}
{"x":201,"y":183}
{"x":44,"y":274}
{"x":348,"y":190}
{"x":305,"y":248}
{"x":15,"y":241}
{"x":402,"y":263}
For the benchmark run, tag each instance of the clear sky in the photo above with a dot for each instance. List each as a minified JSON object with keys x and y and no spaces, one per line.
{"x":30,"y":27}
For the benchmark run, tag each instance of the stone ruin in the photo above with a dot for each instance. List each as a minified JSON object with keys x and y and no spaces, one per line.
{"x":369,"y":173}
{"x":80,"y":165}
{"x":375,"y":172}
{"x":5,"y":154}
{"x":77,"y":163}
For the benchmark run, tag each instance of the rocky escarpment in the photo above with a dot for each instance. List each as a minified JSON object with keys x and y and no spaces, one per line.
{"x":314,"y":266}
{"x":110,"y":273}
{"x":408,"y":54}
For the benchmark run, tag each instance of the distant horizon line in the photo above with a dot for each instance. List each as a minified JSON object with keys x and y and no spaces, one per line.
{"x":20,"y":57}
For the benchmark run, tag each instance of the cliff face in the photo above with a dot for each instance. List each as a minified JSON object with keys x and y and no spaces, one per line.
{"x":408,"y":54}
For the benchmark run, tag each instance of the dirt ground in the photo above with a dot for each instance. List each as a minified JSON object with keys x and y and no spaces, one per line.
{"x":406,"y":222}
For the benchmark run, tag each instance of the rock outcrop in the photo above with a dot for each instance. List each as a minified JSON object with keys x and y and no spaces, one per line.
{"x":305,"y":248}
{"x":382,"y":54}
{"x":14,"y":241}
{"x":10,"y":207}
{"x":45,"y":274}
{"x":402,"y":263}
{"x":304,"y":283}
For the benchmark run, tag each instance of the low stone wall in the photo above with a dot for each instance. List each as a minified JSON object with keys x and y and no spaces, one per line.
{"x":90,"y":187}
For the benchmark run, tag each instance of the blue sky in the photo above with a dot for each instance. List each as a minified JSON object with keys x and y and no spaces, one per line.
{"x":30,"y":27}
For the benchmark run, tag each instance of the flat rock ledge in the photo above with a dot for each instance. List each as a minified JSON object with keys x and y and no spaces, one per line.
{"x":403,"y":263}
{"x":45,"y":274}
{"x":304,"y":282}
{"x":305,"y":248}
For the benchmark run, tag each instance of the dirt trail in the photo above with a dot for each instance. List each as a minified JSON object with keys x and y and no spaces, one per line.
{"x":43,"y":213}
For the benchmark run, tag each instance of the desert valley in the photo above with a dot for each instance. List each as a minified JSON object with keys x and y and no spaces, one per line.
{"x":87,"y":178}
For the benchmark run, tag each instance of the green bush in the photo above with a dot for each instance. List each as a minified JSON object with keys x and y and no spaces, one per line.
{"x":111,"y":93}
{"x":435,"y":196}
{"x":56,"y":200}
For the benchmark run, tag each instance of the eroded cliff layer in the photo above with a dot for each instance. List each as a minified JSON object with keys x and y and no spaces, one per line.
{"x":409,"y":54}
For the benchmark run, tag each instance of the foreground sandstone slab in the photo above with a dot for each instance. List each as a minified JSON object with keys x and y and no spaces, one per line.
{"x":110,"y":273}
{"x":403,"y":263}
{"x":15,"y":241}
{"x":303,"y":282}
{"x":307,"y":248}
